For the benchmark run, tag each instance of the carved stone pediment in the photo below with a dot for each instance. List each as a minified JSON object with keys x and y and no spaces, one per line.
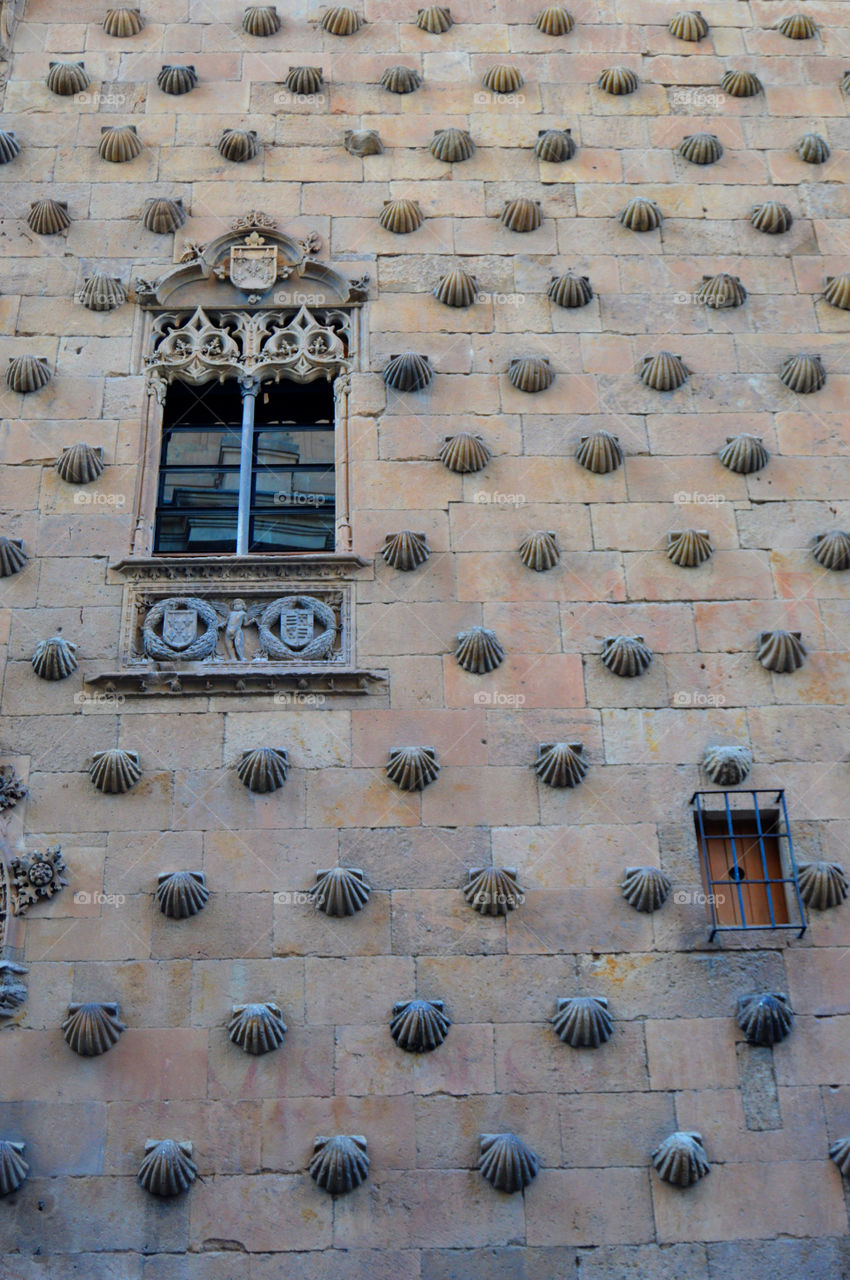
{"x":253,"y":264}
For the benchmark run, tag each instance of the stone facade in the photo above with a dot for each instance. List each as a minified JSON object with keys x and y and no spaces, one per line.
{"x":774,"y":1203}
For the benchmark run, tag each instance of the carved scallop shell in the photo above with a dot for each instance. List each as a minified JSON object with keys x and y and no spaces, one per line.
{"x":583,"y":1022}
{"x":180,"y":894}
{"x":12,"y":557}
{"x":304,"y":80}
{"x":451,"y":145}
{"x":465,"y":453}
{"x":406,"y":550}
{"x":92,"y":1029}
{"x":641,"y":214}
{"x":530,"y":373}
{"x":803,"y":374}
{"x":837,"y":291}
{"x":744,"y":454}
{"x":115,"y":772}
{"x":48,"y":217}
{"x":645,"y":888}
{"x":727,"y":766}
{"x":555,"y":145}
{"x":561,"y":764}
{"x":362,"y":142}
{"x":456,"y":289}
{"x":162,"y":215}
{"x":408,"y":372}
{"x":238,"y":145}
{"x":257,"y":1028}
{"x":67,"y":78}
{"x":503,"y":78}
{"x":261,"y":20}
{"x":539,"y":551}
{"x":400,"y":80}
{"x":797,"y":26}
{"x":813,"y":149}
{"x":570,"y":290}
{"x":177,"y":79}
{"x":626,"y":656}
{"x":832,"y":549}
{"x":341,"y":21}
{"x":663,"y":372}
{"x":401,"y":216}
{"x":839,"y":1153}
{"x":435,"y":19}
{"x":765,"y":1018}
{"x":263,"y":769}
{"x":119,"y":143}
{"x":823,"y":885}
{"x":690,"y":25}
{"x":506,"y":1162}
{"x":689,"y":548}
{"x":13,"y":1166}
{"x":27,"y":373}
{"x":101,"y":292}
{"x":493,"y":891}
{"x":522,"y":215}
{"x":721,"y":291}
{"x":340,"y":891}
{"x":741,"y":84}
{"x":419,"y":1026}
{"x":845,"y":82}
{"x":781,"y":650}
{"x":167,"y":1168}
{"x":54,"y":659}
{"x":618,"y":80}
{"x":80,"y":464}
{"x":479,"y":651}
{"x":554,"y":21}
{"x":9,"y":146}
{"x":600,"y":452}
{"x":123,"y":22}
{"x":339,"y":1164}
{"x":772,"y":218}
{"x":681,"y":1159}
{"x":412,"y":768}
{"x":701,"y":148}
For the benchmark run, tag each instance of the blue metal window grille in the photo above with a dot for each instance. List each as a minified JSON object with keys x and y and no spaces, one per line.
{"x":760,"y":866}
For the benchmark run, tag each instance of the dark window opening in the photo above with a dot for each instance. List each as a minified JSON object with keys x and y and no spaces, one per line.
{"x":276,"y":495}
{"x":747,"y":861}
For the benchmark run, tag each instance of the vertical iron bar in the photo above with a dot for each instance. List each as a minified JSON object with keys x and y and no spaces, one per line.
{"x":767,"y":881}
{"x":703,"y":849}
{"x":734,"y":858}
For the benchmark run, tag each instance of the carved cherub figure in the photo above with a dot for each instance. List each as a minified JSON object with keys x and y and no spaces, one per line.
{"x":238,"y":617}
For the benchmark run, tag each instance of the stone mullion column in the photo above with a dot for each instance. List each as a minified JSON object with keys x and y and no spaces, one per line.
{"x":250,"y":386}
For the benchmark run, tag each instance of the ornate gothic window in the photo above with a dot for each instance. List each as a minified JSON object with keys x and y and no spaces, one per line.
{"x":246,"y":465}
{"x":241,"y":577}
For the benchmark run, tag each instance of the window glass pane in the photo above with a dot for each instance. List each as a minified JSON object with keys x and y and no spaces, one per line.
{"x":293,"y":486}
{"x":304,"y":529}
